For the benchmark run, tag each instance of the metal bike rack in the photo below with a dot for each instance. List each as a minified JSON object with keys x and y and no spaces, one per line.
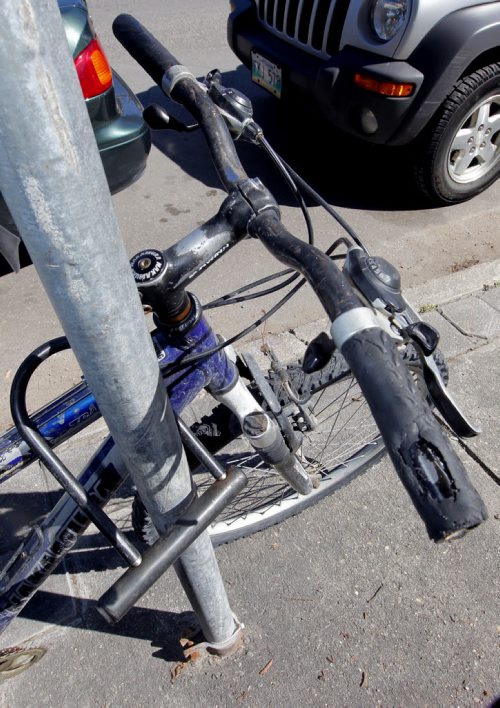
{"x":54,"y":184}
{"x":195,"y":519}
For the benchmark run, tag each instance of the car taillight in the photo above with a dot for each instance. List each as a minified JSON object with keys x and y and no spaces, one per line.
{"x":93,"y":70}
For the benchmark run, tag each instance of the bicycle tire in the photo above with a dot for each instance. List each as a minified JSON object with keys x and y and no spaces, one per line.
{"x":268,"y":500}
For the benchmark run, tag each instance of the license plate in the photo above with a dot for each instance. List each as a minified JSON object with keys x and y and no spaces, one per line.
{"x":266,"y":74}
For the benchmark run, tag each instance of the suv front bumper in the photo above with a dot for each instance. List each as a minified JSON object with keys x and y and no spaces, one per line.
{"x":330,"y":82}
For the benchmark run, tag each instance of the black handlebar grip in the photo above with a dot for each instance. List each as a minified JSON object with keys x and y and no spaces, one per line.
{"x":154,"y":58}
{"x":422,"y":455}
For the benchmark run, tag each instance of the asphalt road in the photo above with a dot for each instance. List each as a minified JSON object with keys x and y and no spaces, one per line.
{"x":180,"y":189}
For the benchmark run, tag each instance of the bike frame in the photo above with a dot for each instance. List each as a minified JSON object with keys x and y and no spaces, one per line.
{"x":77,"y":408}
{"x":414,"y":440}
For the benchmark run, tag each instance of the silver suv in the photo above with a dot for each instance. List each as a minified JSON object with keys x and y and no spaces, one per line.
{"x":395,"y":72}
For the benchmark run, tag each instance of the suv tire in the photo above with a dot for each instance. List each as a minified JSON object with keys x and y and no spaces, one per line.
{"x":448,"y":171}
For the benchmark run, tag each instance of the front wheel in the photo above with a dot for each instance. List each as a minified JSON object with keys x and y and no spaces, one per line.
{"x":461,"y":155}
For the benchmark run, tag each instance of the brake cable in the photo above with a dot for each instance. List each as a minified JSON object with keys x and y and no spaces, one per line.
{"x":291,"y":182}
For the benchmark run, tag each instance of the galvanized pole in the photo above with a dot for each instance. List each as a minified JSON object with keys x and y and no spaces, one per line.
{"x":53,"y":181}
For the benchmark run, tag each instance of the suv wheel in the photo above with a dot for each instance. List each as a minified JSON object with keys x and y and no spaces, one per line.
{"x":461,"y":156}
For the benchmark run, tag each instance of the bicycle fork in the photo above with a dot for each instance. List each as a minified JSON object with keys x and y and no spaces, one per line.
{"x":264,"y":435}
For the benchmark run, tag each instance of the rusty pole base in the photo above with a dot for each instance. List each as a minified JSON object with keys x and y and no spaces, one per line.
{"x":194,"y":645}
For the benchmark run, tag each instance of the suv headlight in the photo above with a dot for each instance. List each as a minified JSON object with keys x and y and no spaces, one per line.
{"x":387,"y":17}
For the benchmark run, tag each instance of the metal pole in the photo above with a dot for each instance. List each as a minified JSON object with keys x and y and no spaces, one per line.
{"x":54,"y":184}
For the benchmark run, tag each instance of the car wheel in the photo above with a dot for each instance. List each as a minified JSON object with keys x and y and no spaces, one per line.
{"x":461,"y":149}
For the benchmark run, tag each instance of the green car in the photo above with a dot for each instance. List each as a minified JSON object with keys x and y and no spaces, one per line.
{"x":122,"y":136}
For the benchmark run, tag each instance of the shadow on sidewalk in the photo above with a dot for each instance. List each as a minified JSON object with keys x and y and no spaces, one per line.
{"x":161,"y":628}
{"x":21,"y":512}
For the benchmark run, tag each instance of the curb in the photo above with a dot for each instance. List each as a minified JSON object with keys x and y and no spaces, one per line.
{"x":438,"y":291}
{"x":454,"y":286}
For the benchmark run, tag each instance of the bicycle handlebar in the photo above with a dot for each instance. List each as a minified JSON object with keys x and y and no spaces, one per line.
{"x":154,"y":58}
{"x":325,"y":278}
{"x":424,"y":460}
{"x":426,"y":464}
{"x":181,"y":85}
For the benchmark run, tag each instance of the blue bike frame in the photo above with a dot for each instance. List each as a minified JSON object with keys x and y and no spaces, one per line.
{"x":77,"y":408}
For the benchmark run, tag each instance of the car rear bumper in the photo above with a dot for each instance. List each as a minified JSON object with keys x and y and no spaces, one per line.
{"x":123,"y":138}
{"x":331,"y":82}
{"x":124,"y":142}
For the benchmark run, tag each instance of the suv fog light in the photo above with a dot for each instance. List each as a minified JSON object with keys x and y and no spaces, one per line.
{"x":369,"y":122}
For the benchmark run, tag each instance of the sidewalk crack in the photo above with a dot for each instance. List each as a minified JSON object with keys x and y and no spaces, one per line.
{"x":300,"y":338}
{"x":470,"y":452}
{"x":457,"y":326}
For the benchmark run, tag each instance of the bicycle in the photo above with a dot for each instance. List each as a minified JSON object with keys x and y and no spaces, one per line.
{"x":365,"y":387}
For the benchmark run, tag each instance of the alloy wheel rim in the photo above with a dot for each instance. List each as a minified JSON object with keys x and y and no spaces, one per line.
{"x":474,"y":150}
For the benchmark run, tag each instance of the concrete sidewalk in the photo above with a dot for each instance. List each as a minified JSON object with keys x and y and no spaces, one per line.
{"x":347,"y":604}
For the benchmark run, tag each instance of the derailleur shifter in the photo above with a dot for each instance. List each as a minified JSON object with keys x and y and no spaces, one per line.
{"x":379,"y":282}
{"x":376,"y":278}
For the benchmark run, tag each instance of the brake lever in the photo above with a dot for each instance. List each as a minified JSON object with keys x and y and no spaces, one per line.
{"x":444,"y":402}
{"x":157,"y":118}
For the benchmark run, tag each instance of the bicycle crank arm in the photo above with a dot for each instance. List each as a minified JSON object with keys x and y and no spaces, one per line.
{"x":202,"y":511}
{"x":444,"y":402}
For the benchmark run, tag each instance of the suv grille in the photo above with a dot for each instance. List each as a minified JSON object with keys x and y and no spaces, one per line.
{"x":315,"y":25}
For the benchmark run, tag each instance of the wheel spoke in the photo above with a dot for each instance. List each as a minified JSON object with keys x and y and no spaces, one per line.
{"x":336,"y":416}
{"x":493,"y":122}
{"x":462,"y":153}
{"x":487,"y":153}
{"x":462,"y":162}
{"x":481,"y":117}
{"x":331,"y":401}
{"x":461,"y":140}
{"x":318,"y":402}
